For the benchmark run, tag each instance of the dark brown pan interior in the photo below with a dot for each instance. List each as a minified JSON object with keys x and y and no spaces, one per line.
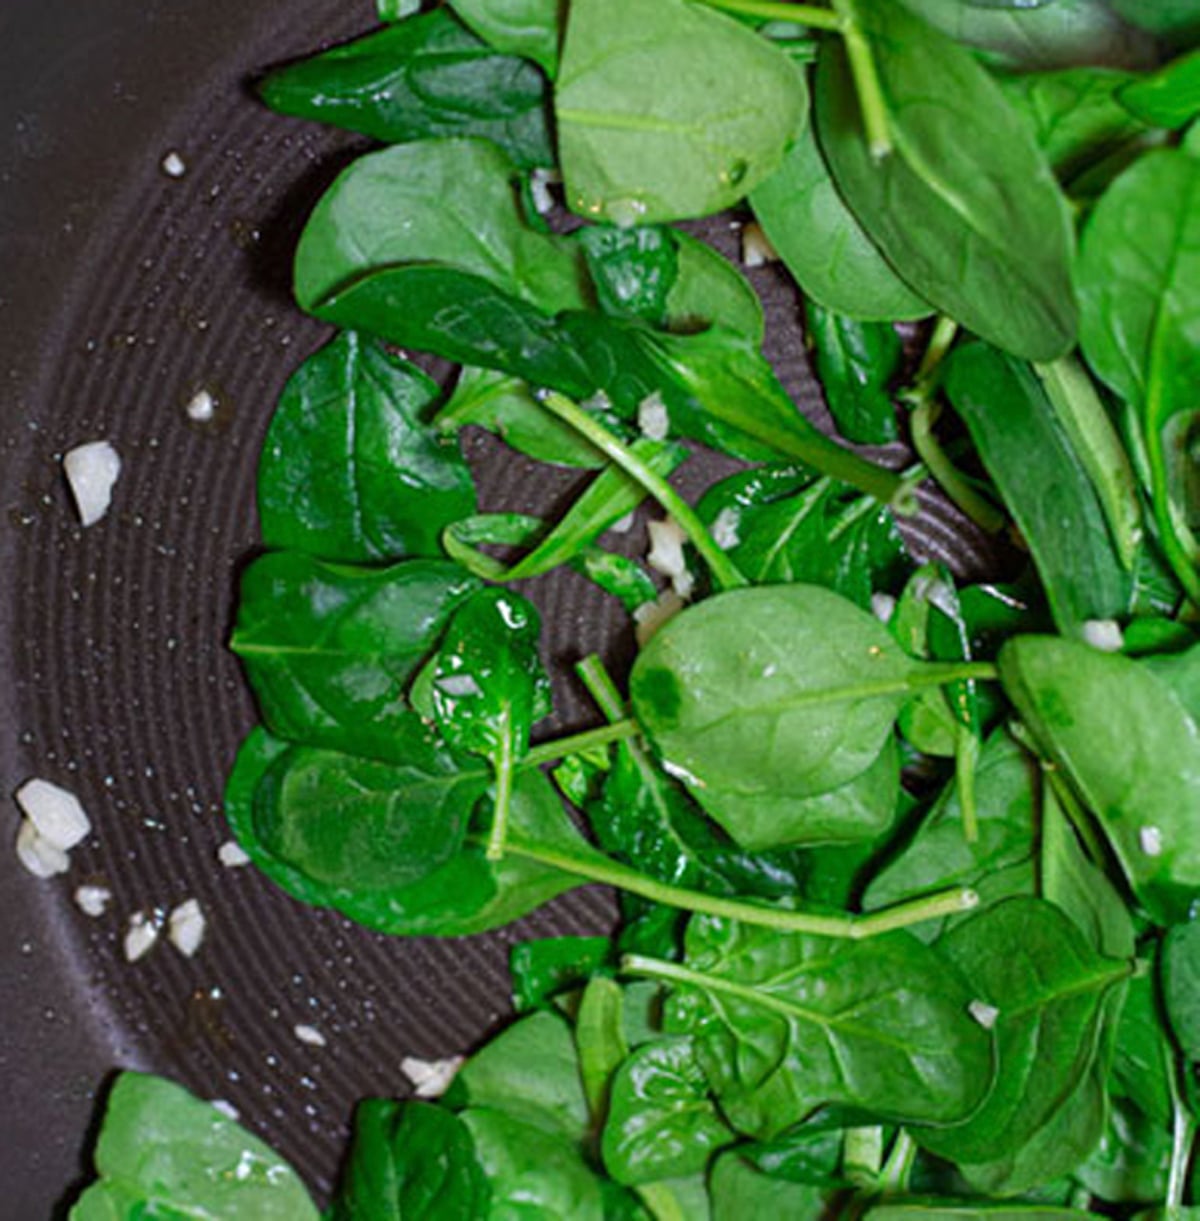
{"x":124,"y":292}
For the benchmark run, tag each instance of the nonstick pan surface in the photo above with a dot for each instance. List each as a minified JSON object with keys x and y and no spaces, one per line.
{"x":123,"y":292}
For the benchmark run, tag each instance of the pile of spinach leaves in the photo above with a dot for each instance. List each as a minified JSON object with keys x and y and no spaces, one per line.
{"x":909,"y":866}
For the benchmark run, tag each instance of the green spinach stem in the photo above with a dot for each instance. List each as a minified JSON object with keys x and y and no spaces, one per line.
{"x":1183,"y":1139}
{"x":966,"y":754}
{"x":724,"y":571}
{"x":578,"y":743}
{"x":866,"y":83}
{"x":502,"y":765}
{"x":596,"y":867}
{"x":601,"y":688}
{"x":893,"y":1178}
{"x":984,"y":514}
{"x":782,"y":10}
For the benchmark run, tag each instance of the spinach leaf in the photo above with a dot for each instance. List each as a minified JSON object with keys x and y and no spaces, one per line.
{"x":650,"y":128}
{"x":662,"y":1122}
{"x":782,"y":524}
{"x":1131,"y":749}
{"x":1076,"y":119}
{"x":1169,"y":97}
{"x":1139,"y":294}
{"x":1131,"y":1163}
{"x":531,"y":1072}
{"x":784,"y":1023}
{"x":420,"y":78}
{"x":331,"y":650}
{"x":410,"y":1160}
{"x":600,"y":1042}
{"x":519,"y":27}
{"x":505,"y":405}
{"x":1044,"y":990}
{"x":965,"y":206}
{"x":1000,"y":861}
{"x":543,"y":968}
{"x":1064,"y":34}
{"x":855,"y":362}
{"x":1180,"y":985}
{"x":710,"y":292}
{"x":349,"y":470}
{"x":633,"y":269}
{"x":677,"y":1199}
{"x":968,"y":1210}
{"x":775,"y":692}
{"x":435,"y":203}
{"x":468,"y":894}
{"x":1079,"y":888}
{"x":822,"y":243}
{"x":1045,"y":487}
{"x":163,"y":1152}
{"x":532,"y":1172}
{"x":1176,"y":20}
{"x":1143,"y":1057}
{"x":742,"y":1192}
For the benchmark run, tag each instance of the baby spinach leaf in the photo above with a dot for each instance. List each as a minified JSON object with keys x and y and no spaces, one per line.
{"x":633,"y":269}
{"x":782,"y":524}
{"x":1169,"y":97}
{"x":420,"y":78}
{"x":505,"y":405}
{"x":677,"y":1199}
{"x":1139,"y":291}
{"x":662,"y":1123}
{"x":532,"y":1172}
{"x":965,"y":206}
{"x":784,"y":1023}
{"x":1143,"y":1057}
{"x":349,"y":470}
{"x":1181,"y":985}
{"x":777,"y":691}
{"x":410,"y":1160}
{"x":710,"y":292}
{"x":855,"y":362}
{"x":437,"y":203}
{"x":163,"y":1152}
{"x":1175,"y":20}
{"x":519,"y":27}
{"x":1131,"y":1163}
{"x":531,"y":1072}
{"x":468,"y":894}
{"x":740,"y":1192}
{"x":968,"y":1210}
{"x":1076,"y":118}
{"x":999,"y":863}
{"x":330,"y":650}
{"x":822,"y":243}
{"x":396,"y":10}
{"x":1079,"y":888}
{"x":600,"y":1042}
{"x":1131,"y":749}
{"x":348,"y":822}
{"x":1047,"y":989}
{"x":542,"y":968}
{"x":1064,"y":34}
{"x":650,"y":128}
{"x":1044,"y":485}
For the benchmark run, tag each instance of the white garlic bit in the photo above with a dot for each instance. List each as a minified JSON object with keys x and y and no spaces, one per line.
{"x":232,"y":855}
{"x":42,"y":858}
{"x":430,"y":1078}
{"x":93,"y":900}
{"x":57,"y":814}
{"x":140,"y":936}
{"x":92,"y":470}
{"x":310,"y":1035}
{"x":186,"y":927}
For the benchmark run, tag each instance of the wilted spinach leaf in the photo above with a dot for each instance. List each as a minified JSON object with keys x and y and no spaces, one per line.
{"x":420,"y":78}
{"x":349,"y":469}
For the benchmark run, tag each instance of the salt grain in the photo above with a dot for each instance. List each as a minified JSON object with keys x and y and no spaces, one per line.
{"x":983,"y":1013}
{"x":92,"y":470}
{"x":1104,"y":634}
{"x":1151,"y":841}
{"x":201,"y":407}
{"x":140,"y":936}
{"x":232,"y":855}
{"x":226,"y":1108}
{"x":173,"y":165}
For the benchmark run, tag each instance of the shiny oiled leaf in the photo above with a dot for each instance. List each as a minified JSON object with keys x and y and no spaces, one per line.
{"x":667,"y":110}
{"x":1181,"y":985}
{"x":1129,"y":746}
{"x":778,"y":690}
{"x":965,"y":205}
{"x":519,"y":27}
{"x":967,"y":1210}
{"x":784,"y":1023}
{"x":349,"y":468}
{"x":331,"y":650}
{"x":1048,"y":988}
{"x":421,"y":78}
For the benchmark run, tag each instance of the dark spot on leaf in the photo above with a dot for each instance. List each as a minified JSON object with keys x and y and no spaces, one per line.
{"x":658,"y":692}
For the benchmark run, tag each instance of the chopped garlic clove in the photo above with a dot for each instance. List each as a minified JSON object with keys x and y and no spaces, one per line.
{"x":42,"y":858}
{"x":91,"y":471}
{"x":430,"y":1078}
{"x":232,"y":855}
{"x":186,"y":927}
{"x":310,"y":1035}
{"x":140,"y":936}
{"x":757,"y":250}
{"x":57,"y":814}
{"x":93,"y":900}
